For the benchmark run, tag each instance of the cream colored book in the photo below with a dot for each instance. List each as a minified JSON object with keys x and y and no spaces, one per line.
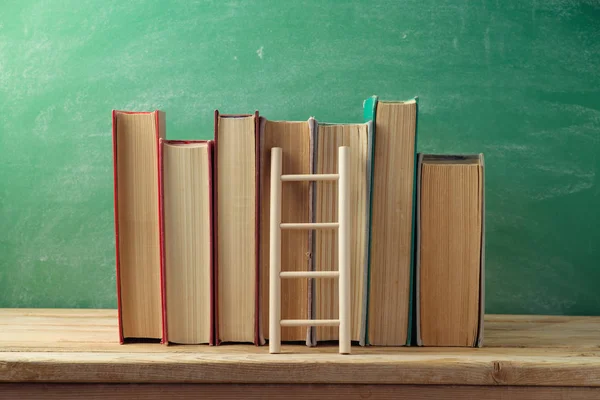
{"x":138,"y":254}
{"x":237,"y":229}
{"x":186,"y":178}
{"x":392,"y":221}
{"x":295,"y":140}
{"x":450,"y":257}
{"x":328,"y":138}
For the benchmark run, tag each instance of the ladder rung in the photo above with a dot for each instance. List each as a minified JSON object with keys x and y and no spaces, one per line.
{"x":309,"y":225}
{"x":310,"y":274}
{"x":310,"y":322}
{"x":310,"y":177}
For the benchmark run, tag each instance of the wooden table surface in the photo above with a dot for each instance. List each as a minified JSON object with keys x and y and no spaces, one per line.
{"x":522,"y":355}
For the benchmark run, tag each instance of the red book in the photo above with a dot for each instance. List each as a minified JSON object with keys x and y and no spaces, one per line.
{"x":187,"y":241}
{"x":236,"y":213}
{"x":136,"y":138}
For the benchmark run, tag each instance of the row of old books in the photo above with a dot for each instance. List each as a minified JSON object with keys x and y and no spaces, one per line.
{"x":192,"y":231}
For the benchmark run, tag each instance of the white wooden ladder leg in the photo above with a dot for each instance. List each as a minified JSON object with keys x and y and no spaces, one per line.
{"x":343,"y":272}
{"x":344,"y":248}
{"x":275,"y":254}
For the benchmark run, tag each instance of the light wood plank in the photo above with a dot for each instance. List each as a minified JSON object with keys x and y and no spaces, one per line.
{"x":82,"y":346}
{"x":96,"y":330}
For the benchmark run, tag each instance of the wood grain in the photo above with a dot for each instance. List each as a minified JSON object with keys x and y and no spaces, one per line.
{"x":82,"y":346}
{"x":294,"y":140}
{"x":450,"y":248}
{"x":139,"y":240}
{"x":187,"y":241}
{"x":330,"y":138}
{"x":291,"y":391}
{"x":392,"y":222}
{"x":236,"y":249}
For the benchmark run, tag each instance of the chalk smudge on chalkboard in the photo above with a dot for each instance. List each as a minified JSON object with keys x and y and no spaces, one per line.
{"x":564,"y":190}
{"x":486,"y":41}
{"x":43,"y":120}
{"x":508,"y":147}
{"x":558,"y":170}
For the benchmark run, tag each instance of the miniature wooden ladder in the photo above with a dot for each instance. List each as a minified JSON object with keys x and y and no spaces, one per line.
{"x":343,"y":272}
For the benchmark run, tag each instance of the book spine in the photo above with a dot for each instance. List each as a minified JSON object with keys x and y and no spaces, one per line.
{"x":369,"y":178}
{"x":369,"y":114}
{"x":258,"y":336}
{"x":163,"y":275}
{"x":160,"y":134}
{"x":215,"y":295}
{"x":211,"y":205}
{"x":116,"y":213}
{"x":479,"y":341}
{"x":417,"y":269}
{"x":411,"y":288}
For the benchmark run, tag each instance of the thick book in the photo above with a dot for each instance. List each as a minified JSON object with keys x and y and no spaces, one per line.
{"x":295,"y":140}
{"x":328,"y":138}
{"x":236,"y":231}
{"x":136,"y":138}
{"x":391,"y":254}
{"x":450,"y":250}
{"x":187,"y":240}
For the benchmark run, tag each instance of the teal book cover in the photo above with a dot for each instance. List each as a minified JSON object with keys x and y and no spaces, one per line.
{"x":370,"y":107}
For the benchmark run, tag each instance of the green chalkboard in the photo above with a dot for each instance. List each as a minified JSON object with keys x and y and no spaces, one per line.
{"x":517,"y":80}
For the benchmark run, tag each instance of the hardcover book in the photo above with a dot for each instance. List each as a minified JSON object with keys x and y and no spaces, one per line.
{"x":187,"y":240}
{"x":237,"y":233}
{"x":137,"y":228}
{"x":295,"y":138}
{"x":328,"y":138}
{"x":391,"y":255}
{"x":450,"y":250}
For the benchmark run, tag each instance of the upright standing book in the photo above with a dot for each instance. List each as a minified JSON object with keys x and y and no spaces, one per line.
{"x":237,"y":207}
{"x":391,"y":253}
{"x":450,"y":250}
{"x":187,"y":239}
{"x":295,"y":140}
{"x":328,"y":138}
{"x":136,"y":138}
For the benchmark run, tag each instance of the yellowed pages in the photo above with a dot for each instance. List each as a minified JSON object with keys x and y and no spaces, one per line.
{"x":450,"y":253}
{"x":236,"y":240}
{"x":392,"y":223}
{"x":294,"y":140}
{"x":329,"y":139}
{"x":187,"y":241}
{"x":139,"y":240}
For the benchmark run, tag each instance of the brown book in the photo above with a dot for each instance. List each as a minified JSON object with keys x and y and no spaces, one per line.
{"x":186,"y":193}
{"x":329,"y":137}
{"x":450,"y":235}
{"x":392,"y":220}
{"x":137,"y":209}
{"x":295,"y":140}
{"x":236,"y":210}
